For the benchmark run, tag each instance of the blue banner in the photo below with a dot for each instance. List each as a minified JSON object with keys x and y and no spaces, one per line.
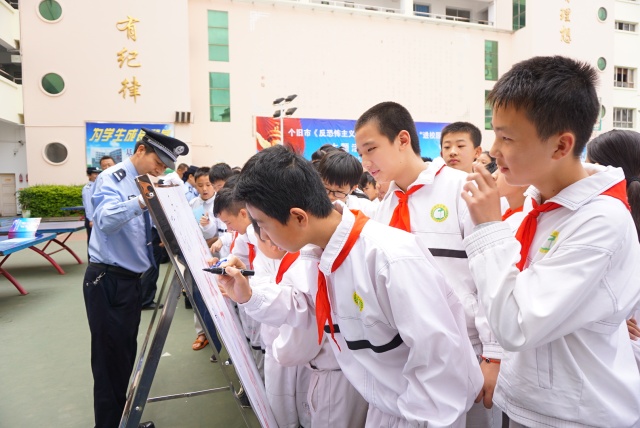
{"x":117,"y":139}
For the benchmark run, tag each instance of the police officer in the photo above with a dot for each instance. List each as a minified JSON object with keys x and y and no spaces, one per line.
{"x":119,"y":252}
{"x":87,"y":192}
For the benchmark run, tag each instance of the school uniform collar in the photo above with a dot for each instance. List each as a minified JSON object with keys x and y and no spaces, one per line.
{"x":426,"y":177}
{"x":583,"y":191}
{"x":337,"y":241}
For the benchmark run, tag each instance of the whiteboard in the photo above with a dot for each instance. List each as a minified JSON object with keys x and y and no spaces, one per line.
{"x":175,"y":219}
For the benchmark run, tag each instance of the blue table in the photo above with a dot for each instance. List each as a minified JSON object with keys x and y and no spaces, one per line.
{"x":57,"y":228}
{"x":10,"y":246}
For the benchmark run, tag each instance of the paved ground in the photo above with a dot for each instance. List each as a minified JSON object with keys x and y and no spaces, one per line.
{"x":45,"y":373}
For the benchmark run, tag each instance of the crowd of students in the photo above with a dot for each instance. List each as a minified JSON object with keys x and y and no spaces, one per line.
{"x":475,"y":289}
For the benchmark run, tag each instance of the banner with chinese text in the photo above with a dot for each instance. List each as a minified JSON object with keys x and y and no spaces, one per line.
{"x":117,"y":139}
{"x":308,"y":135}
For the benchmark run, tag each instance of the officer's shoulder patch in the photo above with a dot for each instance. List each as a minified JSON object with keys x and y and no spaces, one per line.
{"x":120,"y":174}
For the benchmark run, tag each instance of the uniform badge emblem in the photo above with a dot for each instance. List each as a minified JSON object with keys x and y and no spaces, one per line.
{"x":178,"y":150}
{"x":358,"y":301}
{"x":439,"y":213}
{"x":120,"y":174}
{"x":550,"y":241}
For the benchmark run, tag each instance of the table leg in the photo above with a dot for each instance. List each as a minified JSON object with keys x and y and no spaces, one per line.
{"x":64,"y":247}
{"x":11,"y":278}
{"x":46,"y":256}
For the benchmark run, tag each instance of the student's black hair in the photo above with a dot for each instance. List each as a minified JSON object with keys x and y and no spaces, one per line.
{"x":275,"y":180}
{"x":182,"y":166}
{"x":469,"y":128}
{"x":426,"y":159}
{"x":203,"y":170}
{"x":339,"y":168}
{"x":220,"y":171}
{"x":231,"y":182}
{"x":256,"y":229}
{"x":491,"y":166}
{"x":105,"y":157}
{"x":317,"y":156}
{"x":556,"y":93}
{"x":621,"y":148}
{"x":365,"y":180}
{"x":391,"y":118}
{"x":225,"y":201}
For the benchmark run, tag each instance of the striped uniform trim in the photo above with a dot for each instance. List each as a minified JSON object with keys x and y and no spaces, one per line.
{"x":157,"y":145}
{"x":365,"y":344}
{"x":443,"y":252}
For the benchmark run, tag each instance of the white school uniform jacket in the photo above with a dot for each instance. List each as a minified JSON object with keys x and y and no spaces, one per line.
{"x":403,"y":346}
{"x":568,"y":360}
{"x":367,"y":207}
{"x":250,"y":326}
{"x":440,"y":219}
{"x":211,"y":230}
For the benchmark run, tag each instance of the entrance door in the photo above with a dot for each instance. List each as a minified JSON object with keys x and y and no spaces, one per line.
{"x":8,"y":207}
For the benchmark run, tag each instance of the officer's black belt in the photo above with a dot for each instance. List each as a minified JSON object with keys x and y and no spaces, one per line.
{"x":116,"y":270}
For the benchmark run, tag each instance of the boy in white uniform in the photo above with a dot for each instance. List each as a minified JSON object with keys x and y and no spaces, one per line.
{"x":557,"y":294}
{"x":424,"y":199}
{"x":397,"y":344}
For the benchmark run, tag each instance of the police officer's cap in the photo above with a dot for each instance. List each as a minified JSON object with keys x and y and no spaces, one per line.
{"x":93,"y":170}
{"x":167,"y":148}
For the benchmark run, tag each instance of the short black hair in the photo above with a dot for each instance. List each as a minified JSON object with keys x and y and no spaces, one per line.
{"x":339,"y":168}
{"x":556,"y":93}
{"x":220,"y":171}
{"x":182,"y":166}
{"x":105,"y":157}
{"x":231,"y":182}
{"x":275,"y":180}
{"x":225,"y":201}
{"x":322,"y":151}
{"x":427,"y":158}
{"x":469,"y":128}
{"x":203,"y":170}
{"x":365,"y":180}
{"x":391,"y":118}
{"x":148,"y":148}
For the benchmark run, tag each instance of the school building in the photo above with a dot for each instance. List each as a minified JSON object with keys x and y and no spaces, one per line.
{"x":77,"y":73}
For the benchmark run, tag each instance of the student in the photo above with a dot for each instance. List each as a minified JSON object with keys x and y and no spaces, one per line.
{"x":460,"y":145}
{"x":398,"y":345}
{"x":368,"y":185}
{"x":219,"y":174}
{"x":317,"y":156}
{"x":234,"y":215}
{"x":181,"y":169}
{"x":488,"y":162}
{"x":340,"y":173}
{"x":87,"y":192}
{"x":621,"y":149}
{"x":202,"y":207}
{"x":558,"y":293}
{"x":424,"y":199}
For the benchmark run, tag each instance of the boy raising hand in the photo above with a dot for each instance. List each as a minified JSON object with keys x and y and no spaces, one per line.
{"x":557,"y":294}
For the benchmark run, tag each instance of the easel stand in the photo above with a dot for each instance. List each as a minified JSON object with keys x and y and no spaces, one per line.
{"x":187,"y":249}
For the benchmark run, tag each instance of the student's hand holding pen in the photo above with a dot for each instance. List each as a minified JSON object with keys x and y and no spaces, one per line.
{"x":234,"y":285}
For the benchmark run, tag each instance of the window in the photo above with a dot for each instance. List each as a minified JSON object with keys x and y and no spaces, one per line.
{"x":218,"y":36}
{"x":624,"y":77}
{"x":602,"y":63}
{"x":52,"y":83}
{"x":219,"y":97}
{"x":622,"y":117}
{"x":458,"y":14}
{"x":490,"y":60}
{"x":602,"y":14}
{"x":421,"y":9}
{"x":626,"y":26}
{"x":55,"y":153}
{"x":519,"y":14}
{"x":488,"y":112}
{"x":50,"y":10}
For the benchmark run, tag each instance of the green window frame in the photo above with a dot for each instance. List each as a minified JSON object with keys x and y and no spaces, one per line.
{"x":519,"y":14}
{"x":219,"y":97}
{"x":490,"y":60}
{"x":218,"y":33}
{"x":488,"y":112}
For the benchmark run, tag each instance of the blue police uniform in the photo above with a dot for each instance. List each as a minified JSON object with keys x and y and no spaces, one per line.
{"x":190,"y":192}
{"x":119,"y":253}
{"x":87,"y":192}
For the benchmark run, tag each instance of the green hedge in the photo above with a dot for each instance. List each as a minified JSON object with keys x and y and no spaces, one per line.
{"x":46,"y":200}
